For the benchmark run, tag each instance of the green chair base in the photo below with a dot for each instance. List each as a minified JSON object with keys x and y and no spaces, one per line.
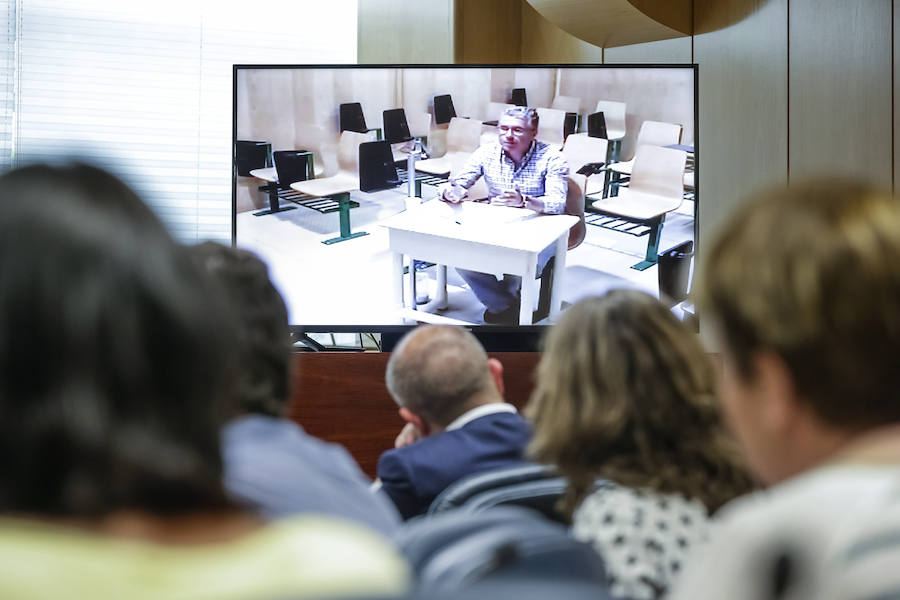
{"x":271,"y":211}
{"x":344,"y":238}
{"x":643,"y":265}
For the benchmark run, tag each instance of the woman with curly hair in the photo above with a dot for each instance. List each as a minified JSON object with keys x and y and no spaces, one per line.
{"x":626,"y":393}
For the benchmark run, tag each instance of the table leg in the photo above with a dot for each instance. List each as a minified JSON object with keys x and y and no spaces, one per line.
{"x":440,"y":291}
{"x":529,"y":292}
{"x":398,"y":279}
{"x":410,"y":288}
{"x":559,"y":267}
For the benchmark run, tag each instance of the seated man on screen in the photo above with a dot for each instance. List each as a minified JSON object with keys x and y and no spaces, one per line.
{"x":451,"y":396}
{"x":519,"y":171}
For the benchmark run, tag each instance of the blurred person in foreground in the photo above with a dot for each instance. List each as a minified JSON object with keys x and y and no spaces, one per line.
{"x":114,"y":379}
{"x":626,"y":393}
{"x":802,"y":288}
{"x":450,"y":394}
{"x":271,"y":464}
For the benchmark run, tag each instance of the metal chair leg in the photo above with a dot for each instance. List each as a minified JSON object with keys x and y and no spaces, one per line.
{"x":343,"y":201}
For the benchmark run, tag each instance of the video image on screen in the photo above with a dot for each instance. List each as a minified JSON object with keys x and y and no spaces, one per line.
{"x":599,"y":194}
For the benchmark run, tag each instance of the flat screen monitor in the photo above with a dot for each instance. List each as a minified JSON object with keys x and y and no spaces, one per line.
{"x":388,"y":258}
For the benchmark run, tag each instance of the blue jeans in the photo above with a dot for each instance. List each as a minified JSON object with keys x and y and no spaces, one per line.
{"x":498,"y":295}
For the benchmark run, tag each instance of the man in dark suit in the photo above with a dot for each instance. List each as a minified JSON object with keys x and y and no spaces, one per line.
{"x":451,"y":396}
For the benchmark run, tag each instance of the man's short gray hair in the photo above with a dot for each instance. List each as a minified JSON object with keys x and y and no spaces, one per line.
{"x":436,"y":371}
{"x":529,"y":115}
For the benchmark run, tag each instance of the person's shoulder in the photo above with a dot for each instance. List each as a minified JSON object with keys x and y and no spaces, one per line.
{"x":329,"y":554}
{"x":546,"y":150}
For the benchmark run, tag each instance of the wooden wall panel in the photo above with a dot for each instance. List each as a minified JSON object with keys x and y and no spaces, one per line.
{"x":544,"y":42}
{"x":677,"y":50}
{"x":840,"y":89}
{"x":488,"y":32}
{"x":896,"y":106}
{"x":341,"y":397}
{"x":743,"y":108}
{"x":405,"y":31}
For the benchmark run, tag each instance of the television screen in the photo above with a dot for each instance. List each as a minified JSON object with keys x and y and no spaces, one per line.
{"x":344,"y":178}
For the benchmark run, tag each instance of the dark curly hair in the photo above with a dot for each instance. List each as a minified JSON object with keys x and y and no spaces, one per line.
{"x":259,"y":310}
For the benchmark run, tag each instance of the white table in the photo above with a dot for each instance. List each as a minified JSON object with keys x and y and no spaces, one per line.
{"x":478,"y":237}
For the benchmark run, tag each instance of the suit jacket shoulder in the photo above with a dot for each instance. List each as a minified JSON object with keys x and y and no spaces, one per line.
{"x":414,"y":475}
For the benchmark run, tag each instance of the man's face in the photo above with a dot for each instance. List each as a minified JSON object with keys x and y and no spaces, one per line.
{"x":516,"y":135}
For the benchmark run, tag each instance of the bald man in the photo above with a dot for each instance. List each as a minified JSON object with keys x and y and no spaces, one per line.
{"x":451,"y":396}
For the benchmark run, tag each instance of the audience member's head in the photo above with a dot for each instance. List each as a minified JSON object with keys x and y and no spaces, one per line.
{"x":438,"y":372}
{"x":803,"y":286}
{"x":625,"y":392}
{"x":112,"y":359}
{"x":264,"y":369}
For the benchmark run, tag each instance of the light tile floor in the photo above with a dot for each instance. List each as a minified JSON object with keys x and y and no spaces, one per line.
{"x":349,"y":283}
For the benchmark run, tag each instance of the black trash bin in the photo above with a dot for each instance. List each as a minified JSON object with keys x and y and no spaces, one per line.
{"x":674,"y":271}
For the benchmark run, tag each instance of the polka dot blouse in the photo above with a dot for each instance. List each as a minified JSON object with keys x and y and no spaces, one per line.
{"x":643,"y":537}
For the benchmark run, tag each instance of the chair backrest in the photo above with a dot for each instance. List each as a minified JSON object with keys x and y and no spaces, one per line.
{"x":518,"y":97}
{"x":419,"y":123}
{"x":614,"y":114}
{"x":352,"y":117}
{"x":292,"y":166}
{"x":658,"y":133}
{"x":376,"y":166}
{"x":575,"y":207}
{"x":250,"y":154}
{"x":462,"y":491}
{"x":658,"y":171}
{"x":443,"y":109}
{"x":551,"y":126}
{"x":537,"y":487}
{"x":567,"y":103}
{"x":396,"y":129}
{"x":581,"y":149}
{"x":455,"y":549}
{"x":596,"y":125}
{"x":463,"y":135}
{"x":348,"y":151}
{"x":495,"y":109}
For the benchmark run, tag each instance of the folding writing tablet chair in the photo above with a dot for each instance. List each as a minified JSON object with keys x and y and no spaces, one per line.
{"x":657,"y":188}
{"x":519,"y":97}
{"x":614,"y":115}
{"x":443,"y":109}
{"x":249,"y":155}
{"x":331,"y":194}
{"x":352,"y":119}
{"x":652,"y":133}
{"x":463,"y":138}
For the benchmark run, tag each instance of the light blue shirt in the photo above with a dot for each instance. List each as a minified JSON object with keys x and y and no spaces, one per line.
{"x":540,"y":176}
{"x":276,"y":468}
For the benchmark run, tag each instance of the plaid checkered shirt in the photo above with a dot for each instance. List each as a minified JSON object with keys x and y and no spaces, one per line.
{"x":541,"y":176}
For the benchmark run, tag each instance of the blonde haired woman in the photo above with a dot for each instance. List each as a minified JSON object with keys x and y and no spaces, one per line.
{"x":626,"y":392}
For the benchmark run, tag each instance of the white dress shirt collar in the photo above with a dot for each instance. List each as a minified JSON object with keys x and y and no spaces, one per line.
{"x":480,"y":411}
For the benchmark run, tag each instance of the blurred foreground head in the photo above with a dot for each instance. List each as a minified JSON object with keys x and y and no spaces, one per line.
{"x":112,"y":364}
{"x":803,"y":289}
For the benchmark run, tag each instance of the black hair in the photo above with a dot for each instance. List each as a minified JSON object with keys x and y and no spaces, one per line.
{"x":262,"y":326}
{"x":113,"y":360}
